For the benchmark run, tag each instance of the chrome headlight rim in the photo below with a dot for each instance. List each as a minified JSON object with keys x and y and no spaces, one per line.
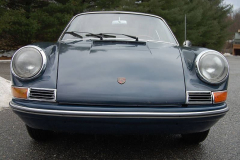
{"x":42,"y":69}
{"x":198,"y":59}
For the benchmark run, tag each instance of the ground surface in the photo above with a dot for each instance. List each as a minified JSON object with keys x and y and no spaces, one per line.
{"x":223,"y":141}
{"x":5,"y":70}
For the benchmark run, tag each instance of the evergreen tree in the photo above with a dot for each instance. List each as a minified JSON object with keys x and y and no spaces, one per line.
{"x":16,"y":25}
{"x":26,"y":21}
{"x":206,"y":19}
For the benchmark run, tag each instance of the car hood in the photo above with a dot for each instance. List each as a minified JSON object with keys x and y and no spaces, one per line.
{"x":88,"y":72}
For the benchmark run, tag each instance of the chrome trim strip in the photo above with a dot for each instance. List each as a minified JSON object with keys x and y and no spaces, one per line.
{"x":117,"y":114}
{"x":44,"y":63}
{"x":115,"y":12}
{"x":187,"y":97}
{"x":198,"y":70}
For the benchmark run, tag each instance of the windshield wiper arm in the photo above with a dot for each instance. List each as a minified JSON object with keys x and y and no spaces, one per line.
{"x":74,"y":34}
{"x":101,"y":36}
{"x":92,"y":34}
{"x":107,"y":34}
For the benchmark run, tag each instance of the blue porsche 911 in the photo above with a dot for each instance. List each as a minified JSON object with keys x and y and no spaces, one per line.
{"x":118,"y":72}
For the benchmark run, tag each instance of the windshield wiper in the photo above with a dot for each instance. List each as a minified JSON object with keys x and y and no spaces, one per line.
{"x":100,"y":35}
{"x":91,"y":34}
{"x":109,"y":34}
{"x":74,"y":34}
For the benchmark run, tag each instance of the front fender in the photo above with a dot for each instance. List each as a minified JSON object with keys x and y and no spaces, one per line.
{"x":49,"y":76}
{"x":192,"y":81}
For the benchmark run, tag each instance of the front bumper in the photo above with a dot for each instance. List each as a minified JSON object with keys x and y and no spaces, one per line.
{"x":122,"y":114}
{"x":52,"y":116}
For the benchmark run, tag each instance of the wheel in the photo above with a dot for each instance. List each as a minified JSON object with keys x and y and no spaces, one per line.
{"x":39,"y":134}
{"x":195,"y":138}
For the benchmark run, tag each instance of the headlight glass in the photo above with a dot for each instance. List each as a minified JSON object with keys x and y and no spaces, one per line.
{"x":212,"y":67}
{"x":27,"y":62}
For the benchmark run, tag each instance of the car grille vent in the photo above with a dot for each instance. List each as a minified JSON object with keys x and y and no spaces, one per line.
{"x":199,"y":97}
{"x":42,"y":94}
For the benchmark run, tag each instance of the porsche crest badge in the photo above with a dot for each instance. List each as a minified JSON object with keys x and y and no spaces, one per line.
{"x":121,"y":80}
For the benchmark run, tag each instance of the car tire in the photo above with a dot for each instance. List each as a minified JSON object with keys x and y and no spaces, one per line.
{"x":39,"y":134}
{"x":195,"y":138}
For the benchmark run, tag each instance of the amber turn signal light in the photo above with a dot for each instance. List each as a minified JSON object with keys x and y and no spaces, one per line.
{"x":19,"y":92}
{"x":220,"y":96}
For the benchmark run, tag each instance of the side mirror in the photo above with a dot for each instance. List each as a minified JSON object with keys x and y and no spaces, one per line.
{"x":187,"y":43}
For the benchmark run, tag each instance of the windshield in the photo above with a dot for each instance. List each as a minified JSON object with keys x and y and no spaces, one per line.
{"x":143,"y":27}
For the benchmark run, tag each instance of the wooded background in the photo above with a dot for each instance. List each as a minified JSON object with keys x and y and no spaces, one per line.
{"x":23,"y":22}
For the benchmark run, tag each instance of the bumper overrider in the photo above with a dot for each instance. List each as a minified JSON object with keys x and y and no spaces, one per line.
{"x":107,"y":119}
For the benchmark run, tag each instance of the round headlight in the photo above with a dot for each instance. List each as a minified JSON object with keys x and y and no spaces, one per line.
{"x":212,"y":67}
{"x":28,"y":62}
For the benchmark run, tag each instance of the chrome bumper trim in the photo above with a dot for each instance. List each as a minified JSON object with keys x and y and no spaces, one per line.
{"x":19,"y":108}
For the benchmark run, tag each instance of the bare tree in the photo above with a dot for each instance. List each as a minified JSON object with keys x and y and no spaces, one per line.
{"x":235,"y":26}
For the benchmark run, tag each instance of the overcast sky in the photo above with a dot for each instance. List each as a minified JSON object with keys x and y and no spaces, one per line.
{"x":235,"y":3}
